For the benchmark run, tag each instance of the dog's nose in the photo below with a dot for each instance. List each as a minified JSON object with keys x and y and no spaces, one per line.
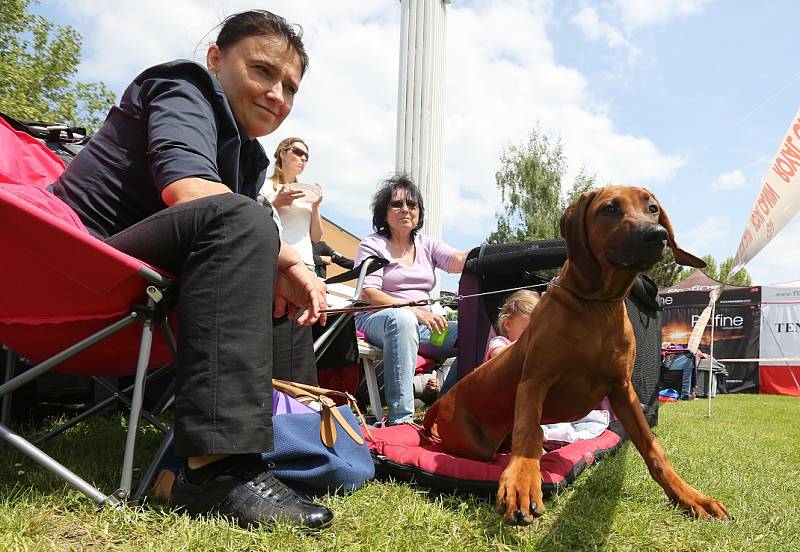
{"x":654,"y":233}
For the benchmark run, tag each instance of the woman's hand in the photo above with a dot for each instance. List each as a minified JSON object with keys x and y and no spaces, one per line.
{"x":315,"y":204}
{"x":286,"y":196}
{"x":434,"y":322}
{"x":296,"y":288}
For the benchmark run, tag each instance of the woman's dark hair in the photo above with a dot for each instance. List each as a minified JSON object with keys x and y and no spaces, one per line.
{"x":381,"y":199}
{"x":249,"y":23}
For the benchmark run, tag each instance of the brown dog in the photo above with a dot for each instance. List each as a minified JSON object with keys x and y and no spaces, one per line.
{"x":578,"y":349}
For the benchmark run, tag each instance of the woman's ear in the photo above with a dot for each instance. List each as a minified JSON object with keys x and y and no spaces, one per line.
{"x":213,"y":57}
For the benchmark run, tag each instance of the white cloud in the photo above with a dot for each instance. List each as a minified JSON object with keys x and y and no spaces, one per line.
{"x":777,"y":262}
{"x":500,"y":85}
{"x":706,"y":237}
{"x":733,"y":180}
{"x":502,"y":77}
{"x":641,"y":13}
{"x":595,"y":29}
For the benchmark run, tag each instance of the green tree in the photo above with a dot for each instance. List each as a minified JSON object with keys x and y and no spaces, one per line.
{"x":722,"y":273}
{"x":530,"y":181}
{"x":667,"y":272}
{"x":38,"y":67}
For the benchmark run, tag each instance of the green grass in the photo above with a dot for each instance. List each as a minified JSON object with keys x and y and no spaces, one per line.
{"x":746,"y":455}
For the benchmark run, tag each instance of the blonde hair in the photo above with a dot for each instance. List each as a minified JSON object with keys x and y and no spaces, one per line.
{"x":519,"y":302}
{"x":285,"y":144}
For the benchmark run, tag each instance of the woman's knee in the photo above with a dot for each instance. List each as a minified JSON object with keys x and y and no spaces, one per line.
{"x":246,"y":214}
{"x":402,"y":322}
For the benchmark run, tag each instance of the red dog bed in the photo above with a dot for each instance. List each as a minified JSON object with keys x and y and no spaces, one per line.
{"x":404,"y":452}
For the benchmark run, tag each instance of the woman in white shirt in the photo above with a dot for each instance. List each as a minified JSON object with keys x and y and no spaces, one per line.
{"x":297,"y":207}
{"x":297,"y":204}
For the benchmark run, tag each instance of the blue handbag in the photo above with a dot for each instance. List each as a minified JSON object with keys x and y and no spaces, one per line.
{"x":305,"y":463}
{"x":310,"y":454}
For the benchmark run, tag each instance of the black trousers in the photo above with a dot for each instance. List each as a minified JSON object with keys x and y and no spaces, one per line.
{"x":224,"y":248}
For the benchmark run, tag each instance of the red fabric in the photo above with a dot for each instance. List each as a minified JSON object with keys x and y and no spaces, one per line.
{"x":407,"y":445}
{"x":344,"y":378}
{"x":778,"y":380}
{"x":60,"y":284}
{"x":424,"y":365}
{"x":24,"y":159}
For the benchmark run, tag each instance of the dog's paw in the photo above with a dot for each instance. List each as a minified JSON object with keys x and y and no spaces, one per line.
{"x":519,"y":500}
{"x":703,"y":507}
{"x":698,"y":505}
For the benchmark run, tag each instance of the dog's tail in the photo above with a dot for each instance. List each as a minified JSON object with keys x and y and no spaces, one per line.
{"x":430,"y":418}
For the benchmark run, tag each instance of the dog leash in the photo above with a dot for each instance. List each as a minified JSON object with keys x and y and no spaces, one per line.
{"x":445,"y":300}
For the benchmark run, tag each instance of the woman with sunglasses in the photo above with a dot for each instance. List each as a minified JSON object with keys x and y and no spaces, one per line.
{"x":297,"y":205}
{"x":402,"y":333}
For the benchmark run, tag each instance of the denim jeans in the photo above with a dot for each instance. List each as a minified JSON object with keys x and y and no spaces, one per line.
{"x":401,"y":337}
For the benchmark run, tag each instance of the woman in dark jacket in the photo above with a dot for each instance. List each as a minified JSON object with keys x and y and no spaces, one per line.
{"x":171,"y":178}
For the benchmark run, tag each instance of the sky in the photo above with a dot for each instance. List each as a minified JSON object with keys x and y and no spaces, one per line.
{"x":688,"y":98}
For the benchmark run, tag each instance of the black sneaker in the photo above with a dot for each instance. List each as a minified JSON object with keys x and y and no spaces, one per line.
{"x":242,"y":489}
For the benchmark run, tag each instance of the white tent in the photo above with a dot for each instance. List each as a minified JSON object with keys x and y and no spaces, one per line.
{"x":780,"y":339}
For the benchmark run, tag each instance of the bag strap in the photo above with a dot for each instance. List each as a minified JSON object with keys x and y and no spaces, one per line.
{"x":314,"y":392}
{"x":328,"y":410}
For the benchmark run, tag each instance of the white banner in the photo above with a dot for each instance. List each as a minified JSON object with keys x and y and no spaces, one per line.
{"x":702,"y":321}
{"x":779,"y":198}
{"x":780,"y":323}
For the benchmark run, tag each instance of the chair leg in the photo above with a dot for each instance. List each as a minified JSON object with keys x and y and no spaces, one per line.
{"x":136,"y":402}
{"x":55,"y":360}
{"x":372,"y":389}
{"x":116,"y":395}
{"x":152,"y":469}
{"x":5,"y":413}
{"x":26,"y":447}
{"x":57,"y":468}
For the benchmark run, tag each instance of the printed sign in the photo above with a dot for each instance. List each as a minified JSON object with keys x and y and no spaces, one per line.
{"x":779,"y":198}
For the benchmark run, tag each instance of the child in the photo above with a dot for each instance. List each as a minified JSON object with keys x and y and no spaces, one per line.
{"x":514,"y":317}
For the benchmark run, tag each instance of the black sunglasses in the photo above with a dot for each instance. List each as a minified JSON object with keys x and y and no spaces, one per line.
{"x":398,"y":203}
{"x":299,"y":152}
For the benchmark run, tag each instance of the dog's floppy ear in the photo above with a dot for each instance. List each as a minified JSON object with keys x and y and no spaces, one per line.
{"x":574,"y":231}
{"x":681,"y":257}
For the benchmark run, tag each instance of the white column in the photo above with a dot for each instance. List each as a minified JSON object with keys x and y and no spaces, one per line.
{"x":420,"y":103}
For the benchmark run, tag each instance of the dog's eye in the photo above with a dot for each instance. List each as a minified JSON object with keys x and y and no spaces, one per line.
{"x":610,"y":208}
{"x":653,"y":209}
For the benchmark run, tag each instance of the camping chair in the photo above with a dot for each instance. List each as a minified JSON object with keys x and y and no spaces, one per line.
{"x":70,"y":302}
{"x":369,"y":355}
{"x":342,"y":296}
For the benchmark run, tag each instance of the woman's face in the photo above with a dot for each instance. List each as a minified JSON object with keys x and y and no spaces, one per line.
{"x":294,"y":158}
{"x":402,"y":216}
{"x":260,"y":76}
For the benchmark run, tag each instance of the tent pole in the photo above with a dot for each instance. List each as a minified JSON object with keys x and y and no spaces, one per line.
{"x":711,"y":360}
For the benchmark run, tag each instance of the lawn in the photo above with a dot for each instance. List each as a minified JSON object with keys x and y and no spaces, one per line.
{"x":747,"y":455}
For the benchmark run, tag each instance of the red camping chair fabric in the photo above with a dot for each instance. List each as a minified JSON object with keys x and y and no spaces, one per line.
{"x":64,"y":290}
{"x":60,"y":284}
